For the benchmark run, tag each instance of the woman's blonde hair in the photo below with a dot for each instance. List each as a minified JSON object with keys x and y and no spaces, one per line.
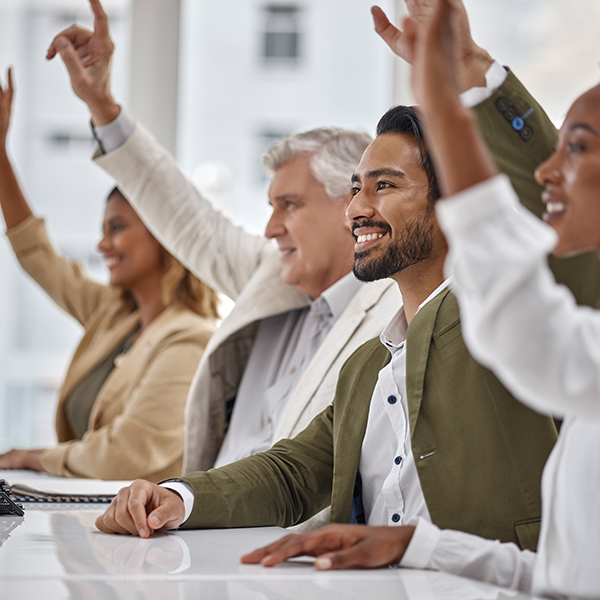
{"x":179,"y":286}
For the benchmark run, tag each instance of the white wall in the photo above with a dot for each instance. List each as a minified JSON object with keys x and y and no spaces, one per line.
{"x":36,"y":338}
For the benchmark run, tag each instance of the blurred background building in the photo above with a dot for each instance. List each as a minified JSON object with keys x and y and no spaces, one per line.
{"x":216,"y":82}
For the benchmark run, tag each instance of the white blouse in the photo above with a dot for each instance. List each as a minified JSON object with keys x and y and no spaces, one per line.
{"x":518,"y":322}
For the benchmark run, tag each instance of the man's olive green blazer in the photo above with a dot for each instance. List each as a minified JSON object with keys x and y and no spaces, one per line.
{"x":479,"y":453}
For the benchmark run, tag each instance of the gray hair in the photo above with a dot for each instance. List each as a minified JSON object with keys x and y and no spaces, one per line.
{"x":335,"y":155}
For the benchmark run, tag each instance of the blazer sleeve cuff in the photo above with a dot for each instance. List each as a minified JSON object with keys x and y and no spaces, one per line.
{"x":54,"y":460}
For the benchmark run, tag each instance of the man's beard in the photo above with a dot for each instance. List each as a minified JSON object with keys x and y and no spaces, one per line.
{"x":414,"y":245}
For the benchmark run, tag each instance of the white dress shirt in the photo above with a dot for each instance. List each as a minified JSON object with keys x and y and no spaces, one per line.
{"x":530,"y":332}
{"x":391,"y":490}
{"x":284,"y":346}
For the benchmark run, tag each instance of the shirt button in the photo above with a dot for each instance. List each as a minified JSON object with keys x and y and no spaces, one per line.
{"x":398,"y":460}
{"x":292,"y":370}
{"x":395,"y":517}
{"x":392,"y":399}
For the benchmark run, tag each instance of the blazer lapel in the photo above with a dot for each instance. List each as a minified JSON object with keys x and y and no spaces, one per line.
{"x":264,"y":296}
{"x":326,"y":357}
{"x":418,"y":341}
{"x":91,"y":357}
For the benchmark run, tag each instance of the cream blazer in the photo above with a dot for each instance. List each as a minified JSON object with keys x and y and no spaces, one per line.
{"x":247,"y":268}
{"x":136,"y":427}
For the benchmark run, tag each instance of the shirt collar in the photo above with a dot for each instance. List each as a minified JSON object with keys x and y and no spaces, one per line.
{"x":394,"y":334}
{"x":334,"y":300}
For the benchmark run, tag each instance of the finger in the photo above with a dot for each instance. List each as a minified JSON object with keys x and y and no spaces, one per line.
{"x":167,"y":515}
{"x":381,"y":22}
{"x":134,"y":510}
{"x":420,"y":9}
{"x":106,"y":523}
{"x":100,"y":18}
{"x":291,"y":548}
{"x":348,"y":558}
{"x":254,"y":557}
{"x":69,"y":57}
{"x":389,"y":33}
{"x":310,"y":544}
{"x":257,"y":555}
{"x":77,"y":35}
{"x":11,"y":87}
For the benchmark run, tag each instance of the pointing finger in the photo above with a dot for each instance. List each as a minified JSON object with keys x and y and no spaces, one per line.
{"x":100,"y":18}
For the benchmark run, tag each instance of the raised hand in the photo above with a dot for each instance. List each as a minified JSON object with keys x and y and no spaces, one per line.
{"x":6,"y":97}
{"x":436,"y":63}
{"x":88,"y":57}
{"x":458,"y":151}
{"x":339,"y":547}
{"x":472,"y":60}
{"x":141,"y":509}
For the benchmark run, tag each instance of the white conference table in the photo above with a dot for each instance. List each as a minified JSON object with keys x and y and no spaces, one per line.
{"x":54,"y":552}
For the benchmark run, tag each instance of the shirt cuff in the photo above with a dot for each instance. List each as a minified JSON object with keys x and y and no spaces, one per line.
{"x":116,"y":133}
{"x":494,"y":78}
{"x":467,"y":208}
{"x":185,"y":491}
{"x":486,"y":201}
{"x":422,"y":545}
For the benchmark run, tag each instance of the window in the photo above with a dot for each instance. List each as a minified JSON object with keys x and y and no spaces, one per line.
{"x":282,"y":38}
{"x":264,"y":140}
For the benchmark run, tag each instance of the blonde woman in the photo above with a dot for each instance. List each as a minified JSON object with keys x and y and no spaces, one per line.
{"x":121,"y":408}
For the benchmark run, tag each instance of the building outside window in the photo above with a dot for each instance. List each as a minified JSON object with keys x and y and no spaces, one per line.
{"x":282,"y":42}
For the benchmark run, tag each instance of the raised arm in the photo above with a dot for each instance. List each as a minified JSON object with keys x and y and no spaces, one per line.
{"x":505,"y":293}
{"x":61,"y":279}
{"x":14,"y":205}
{"x":204,"y":240}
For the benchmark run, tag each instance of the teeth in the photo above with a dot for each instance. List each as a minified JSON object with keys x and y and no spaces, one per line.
{"x":113,"y":260}
{"x":368,"y":237}
{"x":555,"y":207}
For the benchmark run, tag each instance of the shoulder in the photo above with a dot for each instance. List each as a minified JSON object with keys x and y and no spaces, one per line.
{"x":363,"y":364}
{"x":438,"y":316}
{"x":372,"y":350}
{"x":182,"y":324}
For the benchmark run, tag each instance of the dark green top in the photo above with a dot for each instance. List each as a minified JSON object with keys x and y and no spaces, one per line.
{"x":79,"y":404}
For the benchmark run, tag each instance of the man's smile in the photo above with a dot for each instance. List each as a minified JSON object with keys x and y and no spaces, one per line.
{"x":368,"y":234}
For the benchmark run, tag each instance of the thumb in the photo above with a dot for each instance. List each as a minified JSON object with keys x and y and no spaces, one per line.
{"x":69,"y":56}
{"x":166,"y":514}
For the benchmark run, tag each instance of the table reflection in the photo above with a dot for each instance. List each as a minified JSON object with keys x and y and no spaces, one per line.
{"x":205,"y":564}
{"x":8,"y":524}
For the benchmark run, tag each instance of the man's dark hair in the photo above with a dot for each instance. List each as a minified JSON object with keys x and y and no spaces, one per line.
{"x":405,"y":120}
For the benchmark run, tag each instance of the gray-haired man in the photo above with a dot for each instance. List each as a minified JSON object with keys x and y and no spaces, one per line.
{"x":299,"y":313}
